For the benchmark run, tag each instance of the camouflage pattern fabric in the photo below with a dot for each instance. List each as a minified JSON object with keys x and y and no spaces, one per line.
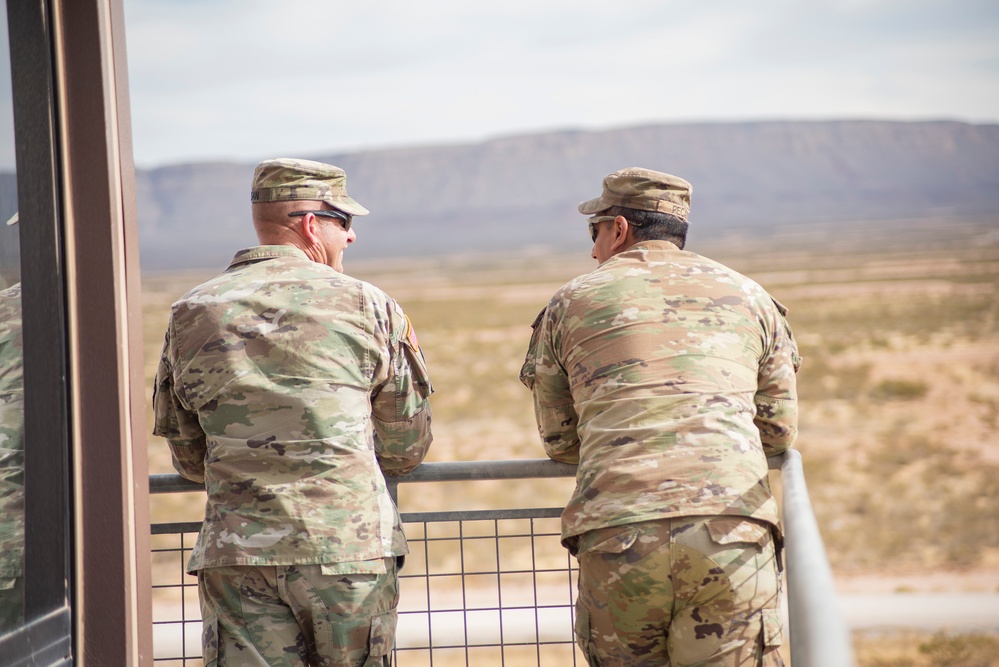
{"x":644,"y":190}
{"x":11,"y":460}
{"x":297,"y":615}
{"x":684,"y":591}
{"x":668,"y":378}
{"x":291,"y":179}
{"x":289,"y":388}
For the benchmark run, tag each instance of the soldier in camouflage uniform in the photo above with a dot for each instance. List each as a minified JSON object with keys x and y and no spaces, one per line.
{"x":289,"y":388}
{"x":669,"y":378}
{"x":11,"y":458}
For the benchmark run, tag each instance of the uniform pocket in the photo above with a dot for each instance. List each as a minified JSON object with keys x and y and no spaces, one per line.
{"x":417,"y":364}
{"x":210,"y":642}
{"x":373,"y":566}
{"x":736,"y":530}
{"x":581,"y":629}
{"x":771,"y":637}
{"x":613,"y":540}
{"x":527,"y":371}
{"x":381,"y":638}
{"x":773,"y":626}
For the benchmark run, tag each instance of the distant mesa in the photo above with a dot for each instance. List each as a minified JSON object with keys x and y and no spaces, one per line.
{"x":510,"y":193}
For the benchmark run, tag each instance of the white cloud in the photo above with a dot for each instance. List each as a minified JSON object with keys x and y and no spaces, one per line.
{"x":248,"y":78}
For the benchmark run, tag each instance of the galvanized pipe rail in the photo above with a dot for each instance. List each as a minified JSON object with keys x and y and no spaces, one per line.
{"x":818,"y":634}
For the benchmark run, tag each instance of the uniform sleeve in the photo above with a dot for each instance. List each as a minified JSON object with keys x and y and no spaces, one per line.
{"x":400,"y":407}
{"x":176,"y":423}
{"x":777,"y":395}
{"x":554,"y":409}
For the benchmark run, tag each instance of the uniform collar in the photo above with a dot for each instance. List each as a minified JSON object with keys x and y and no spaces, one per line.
{"x":652,"y":245}
{"x":266,"y":252}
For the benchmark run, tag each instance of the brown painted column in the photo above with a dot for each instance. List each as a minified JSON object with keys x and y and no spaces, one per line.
{"x":112,"y":596}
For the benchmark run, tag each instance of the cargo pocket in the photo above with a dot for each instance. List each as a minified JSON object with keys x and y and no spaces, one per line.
{"x":734,"y":529}
{"x":772,"y":637}
{"x":381,"y":639}
{"x":773,"y":625}
{"x":613,"y":540}
{"x":210,"y":642}
{"x":581,"y":628}
{"x":354,"y":567}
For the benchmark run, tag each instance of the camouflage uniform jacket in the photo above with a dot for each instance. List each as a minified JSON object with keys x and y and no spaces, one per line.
{"x":11,"y":435}
{"x":289,"y":388}
{"x":668,"y":378}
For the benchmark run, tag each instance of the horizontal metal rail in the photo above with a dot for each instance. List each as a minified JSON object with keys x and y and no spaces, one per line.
{"x":446,"y":471}
{"x":818,"y":634}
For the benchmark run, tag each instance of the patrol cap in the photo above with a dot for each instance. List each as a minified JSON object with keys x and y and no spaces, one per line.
{"x":642,"y":189}
{"x":288,"y":179}
{"x":13,"y":219}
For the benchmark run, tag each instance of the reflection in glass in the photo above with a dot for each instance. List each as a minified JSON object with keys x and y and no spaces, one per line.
{"x":11,"y":461}
{"x":11,"y":385}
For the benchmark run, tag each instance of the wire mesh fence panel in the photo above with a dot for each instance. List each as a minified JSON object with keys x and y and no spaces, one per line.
{"x":495,"y":587}
{"x":176,"y":611}
{"x":486,"y":590}
{"x":478,"y":588}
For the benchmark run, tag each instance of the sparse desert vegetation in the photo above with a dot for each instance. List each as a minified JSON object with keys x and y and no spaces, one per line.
{"x":914,"y":649}
{"x":899,"y":394}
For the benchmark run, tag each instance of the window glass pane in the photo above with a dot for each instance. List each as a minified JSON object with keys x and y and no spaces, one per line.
{"x":11,"y":386}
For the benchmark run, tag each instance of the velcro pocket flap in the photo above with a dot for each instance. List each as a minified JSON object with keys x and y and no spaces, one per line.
{"x":772,"y":627}
{"x":374,"y":566}
{"x":613,"y":540}
{"x":736,"y":529}
{"x":381,"y":638}
{"x":210,"y":640}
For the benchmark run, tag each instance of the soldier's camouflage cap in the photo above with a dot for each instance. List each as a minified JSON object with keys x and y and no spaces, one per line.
{"x":288,"y":179}
{"x":642,"y":189}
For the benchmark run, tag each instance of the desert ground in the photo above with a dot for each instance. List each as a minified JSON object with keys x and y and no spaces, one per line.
{"x":898,"y":326}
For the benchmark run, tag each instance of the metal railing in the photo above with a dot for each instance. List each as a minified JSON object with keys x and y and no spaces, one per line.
{"x":818,"y":633}
{"x":496,"y":587}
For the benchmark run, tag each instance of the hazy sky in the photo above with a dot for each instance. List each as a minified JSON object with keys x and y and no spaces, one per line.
{"x":247,"y":79}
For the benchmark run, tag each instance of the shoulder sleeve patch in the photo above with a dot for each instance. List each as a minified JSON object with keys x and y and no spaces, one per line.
{"x":410,"y":335}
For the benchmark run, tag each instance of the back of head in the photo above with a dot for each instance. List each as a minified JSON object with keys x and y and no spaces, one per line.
{"x":655,"y":203}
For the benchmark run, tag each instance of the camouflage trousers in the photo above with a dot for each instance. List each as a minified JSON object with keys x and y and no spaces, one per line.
{"x":11,"y":603}
{"x":337,"y":615}
{"x":679,"y":592}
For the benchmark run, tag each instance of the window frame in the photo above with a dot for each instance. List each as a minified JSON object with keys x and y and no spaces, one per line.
{"x":87,"y":573}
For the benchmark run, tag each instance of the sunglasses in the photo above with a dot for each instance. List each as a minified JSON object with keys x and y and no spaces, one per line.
{"x":596,"y":220}
{"x":344,"y":218}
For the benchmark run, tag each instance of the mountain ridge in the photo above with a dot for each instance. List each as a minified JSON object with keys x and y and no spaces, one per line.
{"x":506,"y":193}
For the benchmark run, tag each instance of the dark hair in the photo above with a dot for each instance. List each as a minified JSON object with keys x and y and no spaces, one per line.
{"x":653,"y":225}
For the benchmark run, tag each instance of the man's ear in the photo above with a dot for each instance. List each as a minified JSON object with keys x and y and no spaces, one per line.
{"x":620,"y":228}
{"x":309,"y":228}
